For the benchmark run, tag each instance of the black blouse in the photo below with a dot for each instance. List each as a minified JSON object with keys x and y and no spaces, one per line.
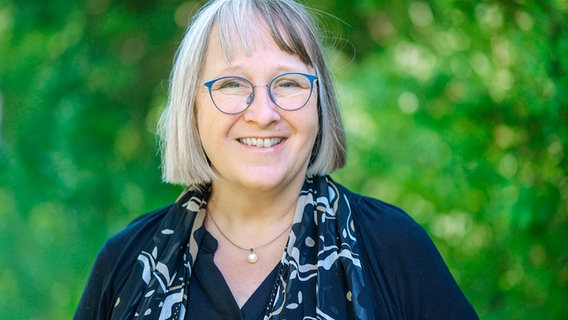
{"x":210,"y":295}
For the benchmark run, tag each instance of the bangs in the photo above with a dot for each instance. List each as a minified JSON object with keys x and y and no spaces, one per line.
{"x":238,"y":34}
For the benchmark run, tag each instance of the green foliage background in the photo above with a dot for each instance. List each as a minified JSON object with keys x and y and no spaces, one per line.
{"x":456,"y":111}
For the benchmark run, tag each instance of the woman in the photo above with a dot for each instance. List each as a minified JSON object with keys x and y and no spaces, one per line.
{"x":253,"y":128}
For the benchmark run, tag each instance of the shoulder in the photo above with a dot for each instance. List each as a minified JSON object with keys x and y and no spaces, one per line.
{"x":135,"y":233}
{"x":114,"y":262}
{"x":383,"y":221}
{"x":126,"y":244}
{"x":403,"y":264}
{"x":122,"y":249}
{"x":389,"y":235}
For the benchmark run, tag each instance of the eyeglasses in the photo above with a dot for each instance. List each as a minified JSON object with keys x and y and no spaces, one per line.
{"x":289,"y":91}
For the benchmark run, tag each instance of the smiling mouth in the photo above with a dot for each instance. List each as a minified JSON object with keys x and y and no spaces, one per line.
{"x":261,"y":143}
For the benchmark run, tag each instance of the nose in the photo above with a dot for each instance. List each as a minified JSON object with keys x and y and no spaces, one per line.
{"x":262,"y":110}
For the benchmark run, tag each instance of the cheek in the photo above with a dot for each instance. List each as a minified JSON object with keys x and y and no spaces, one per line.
{"x":315,"y":119}
{"x":205,"y":117}
{"x":307,"y":124}
{"x":213,"y":127}
{"x":198,"y":112}
{"x":205,"y":128}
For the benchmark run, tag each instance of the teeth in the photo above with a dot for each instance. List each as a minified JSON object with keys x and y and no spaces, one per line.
{"x":261,"y":143}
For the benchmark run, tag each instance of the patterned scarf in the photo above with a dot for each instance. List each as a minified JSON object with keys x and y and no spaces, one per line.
{"x":320,"y":278}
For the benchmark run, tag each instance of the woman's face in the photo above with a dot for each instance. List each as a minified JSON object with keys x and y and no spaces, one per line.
{"x":228,"y":140}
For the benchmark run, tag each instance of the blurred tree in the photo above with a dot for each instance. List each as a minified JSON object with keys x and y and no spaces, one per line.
{"x":455,"y":111}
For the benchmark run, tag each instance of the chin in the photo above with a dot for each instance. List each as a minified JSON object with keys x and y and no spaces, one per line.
{"x":266,"y":182}
{"x":263,"y":185}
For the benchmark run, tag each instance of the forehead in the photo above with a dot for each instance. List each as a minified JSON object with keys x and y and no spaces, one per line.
{"x":241,"y":40}
{"x":238,"y":60}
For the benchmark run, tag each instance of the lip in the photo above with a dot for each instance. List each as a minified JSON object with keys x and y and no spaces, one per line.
{"x":261,"y":142}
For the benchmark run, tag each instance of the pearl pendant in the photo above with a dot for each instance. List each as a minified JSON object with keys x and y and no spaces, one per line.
{"x":252,"y":257}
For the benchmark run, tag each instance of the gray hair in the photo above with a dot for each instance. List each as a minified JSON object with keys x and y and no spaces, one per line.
{"x":183,"y":158}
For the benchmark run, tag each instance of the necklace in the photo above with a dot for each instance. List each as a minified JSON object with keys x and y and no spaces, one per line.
{"x":252,"y":257}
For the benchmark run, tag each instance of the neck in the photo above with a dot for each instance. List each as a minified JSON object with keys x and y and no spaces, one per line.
{"x":238,"y":204}
{"x":251,"y":219}
{"x":253,"y":211}
{"x":252,"y":208}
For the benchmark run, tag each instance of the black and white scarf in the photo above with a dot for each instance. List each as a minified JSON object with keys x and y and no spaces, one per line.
{"x":320,"y":278}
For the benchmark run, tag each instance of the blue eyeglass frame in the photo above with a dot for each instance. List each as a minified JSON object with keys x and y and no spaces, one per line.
{"x":312,"y":78}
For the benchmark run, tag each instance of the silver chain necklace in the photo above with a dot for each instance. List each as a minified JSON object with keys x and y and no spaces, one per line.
{"x":252,"y":256}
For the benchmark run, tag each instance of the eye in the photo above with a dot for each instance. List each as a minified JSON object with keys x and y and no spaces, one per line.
{"x":232,"y":86}
{"x":287,"y":83}
{"x":291,"y":81}
{"x":230,"y":83}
